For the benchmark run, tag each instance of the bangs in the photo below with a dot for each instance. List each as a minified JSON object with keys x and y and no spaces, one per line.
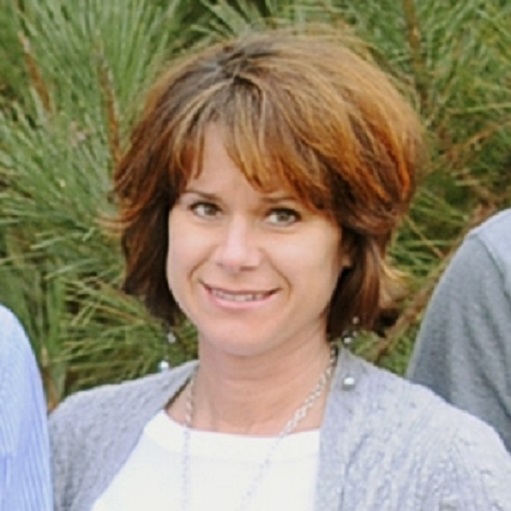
{"x":260,"y":136}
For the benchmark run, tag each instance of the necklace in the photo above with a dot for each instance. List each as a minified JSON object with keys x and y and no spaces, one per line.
{"x":299,"y":414}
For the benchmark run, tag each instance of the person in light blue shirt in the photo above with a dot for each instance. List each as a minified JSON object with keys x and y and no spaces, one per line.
{"x":24,"y":445}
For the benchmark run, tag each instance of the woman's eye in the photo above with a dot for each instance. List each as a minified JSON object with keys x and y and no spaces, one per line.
{"x":205,"y":209}
{"x":283,"y":216}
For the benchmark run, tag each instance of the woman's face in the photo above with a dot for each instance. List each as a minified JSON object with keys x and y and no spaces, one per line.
{"x":254,"y":272}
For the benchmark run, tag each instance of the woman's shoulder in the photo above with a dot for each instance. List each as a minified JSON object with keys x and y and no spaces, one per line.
{"x":98,"y":415}
{"x":427,"y":423}
{"x":407,"y":429}
{"x":93,"y":431}
{"x":131,"y":397}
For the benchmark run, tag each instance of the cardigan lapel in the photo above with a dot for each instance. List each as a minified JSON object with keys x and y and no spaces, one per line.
{"x":336,"y":435}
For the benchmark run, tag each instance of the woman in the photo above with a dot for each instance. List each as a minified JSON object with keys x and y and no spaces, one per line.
{"x":257,"y":198}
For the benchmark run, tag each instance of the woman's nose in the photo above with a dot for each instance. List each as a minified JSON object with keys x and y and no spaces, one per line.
{"x":237,"y":247}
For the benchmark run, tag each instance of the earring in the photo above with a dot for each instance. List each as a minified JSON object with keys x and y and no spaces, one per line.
{"x":350,"y":334}
{"x":164,"y":365}
{"x":347,"y":339}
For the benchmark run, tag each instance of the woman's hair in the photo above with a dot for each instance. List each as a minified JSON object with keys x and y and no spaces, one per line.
{"x":304,"y":111}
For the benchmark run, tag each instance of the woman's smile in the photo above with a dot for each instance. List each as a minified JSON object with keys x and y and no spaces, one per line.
{"x":237,"y":296}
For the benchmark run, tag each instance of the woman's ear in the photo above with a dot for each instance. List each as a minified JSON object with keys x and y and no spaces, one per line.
{"x":346,"y":260}
{"x":346,"y":251}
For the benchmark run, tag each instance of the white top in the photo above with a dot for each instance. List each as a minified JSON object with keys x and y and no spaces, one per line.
{"x":222,"y":468}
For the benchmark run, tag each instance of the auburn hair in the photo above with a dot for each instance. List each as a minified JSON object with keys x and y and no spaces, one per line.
{"x":304,"y":110}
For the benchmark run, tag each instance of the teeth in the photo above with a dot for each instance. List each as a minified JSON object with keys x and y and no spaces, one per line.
{"x":248,"y":297}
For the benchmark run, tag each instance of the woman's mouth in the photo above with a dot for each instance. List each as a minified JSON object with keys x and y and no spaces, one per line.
{"x":239,"y":296}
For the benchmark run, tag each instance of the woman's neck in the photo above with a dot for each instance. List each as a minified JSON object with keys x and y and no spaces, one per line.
{"x":248,"y":395}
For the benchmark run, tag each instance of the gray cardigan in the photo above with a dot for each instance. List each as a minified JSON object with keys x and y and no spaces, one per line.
{"x":386,"y":444}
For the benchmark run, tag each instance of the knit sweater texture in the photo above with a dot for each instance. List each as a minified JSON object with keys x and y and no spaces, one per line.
{"x":385,"y":445}
{"x":463,"y":350}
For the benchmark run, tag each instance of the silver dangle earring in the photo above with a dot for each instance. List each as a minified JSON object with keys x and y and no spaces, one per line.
{"x":164,"y":364}
{"x":347,"y":339}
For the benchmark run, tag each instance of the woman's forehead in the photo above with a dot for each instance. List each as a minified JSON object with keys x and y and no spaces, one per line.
{"x":217,"y":154}
{"x":270,"y":166}
{"x":218,"y":178}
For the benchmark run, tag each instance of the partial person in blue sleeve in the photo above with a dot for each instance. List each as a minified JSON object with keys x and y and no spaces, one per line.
{"x":24,"y":446}
{"x":463,"y":350}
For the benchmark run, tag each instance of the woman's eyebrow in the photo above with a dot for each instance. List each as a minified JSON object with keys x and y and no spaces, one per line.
{"x":193,"y":191}
{"x":273,"y":199}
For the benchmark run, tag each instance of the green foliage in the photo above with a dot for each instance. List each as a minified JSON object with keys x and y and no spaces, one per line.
{"x":71,"y":79}
{"x":61,"y":270}
{"x":12,"y":74}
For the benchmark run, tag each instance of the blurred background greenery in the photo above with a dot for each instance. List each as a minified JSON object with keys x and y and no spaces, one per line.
{"x":72,"y":75}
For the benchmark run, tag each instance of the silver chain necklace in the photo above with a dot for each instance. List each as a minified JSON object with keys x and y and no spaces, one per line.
{"x":289,"y":427}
